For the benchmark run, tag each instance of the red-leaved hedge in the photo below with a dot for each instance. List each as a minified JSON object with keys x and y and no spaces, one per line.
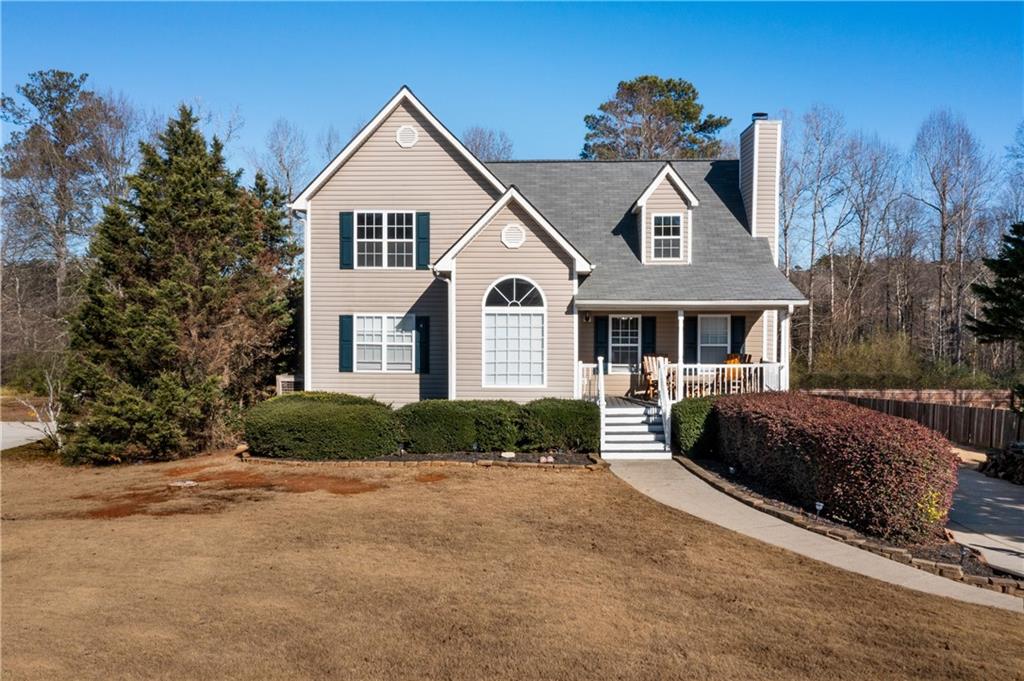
{"x":883,"y":475}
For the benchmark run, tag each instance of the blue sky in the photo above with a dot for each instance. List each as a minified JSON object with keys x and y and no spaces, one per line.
{"x":535,"y":70}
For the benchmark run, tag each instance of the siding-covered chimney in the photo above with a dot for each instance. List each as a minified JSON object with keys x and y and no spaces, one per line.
{"x":760,"y":156}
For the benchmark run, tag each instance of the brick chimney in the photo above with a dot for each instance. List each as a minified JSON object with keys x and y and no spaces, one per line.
{"x":760,"y":156}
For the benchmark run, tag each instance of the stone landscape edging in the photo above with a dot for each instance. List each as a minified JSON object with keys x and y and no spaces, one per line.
{"x":596,"y":463}
{"x":950,"y":571}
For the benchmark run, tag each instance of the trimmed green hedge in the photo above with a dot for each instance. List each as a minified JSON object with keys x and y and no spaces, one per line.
{"x":443,"y":426}
{"x":321,"y":426}
{"x":693,"y":426}
{"x":552,"y":423}
{"x":339,"y":426}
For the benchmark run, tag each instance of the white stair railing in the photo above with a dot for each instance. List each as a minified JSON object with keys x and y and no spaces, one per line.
{"x":665,"y":403}
{"x":600,"y":395}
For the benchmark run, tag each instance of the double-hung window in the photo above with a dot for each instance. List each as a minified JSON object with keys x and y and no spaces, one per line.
{"x":385,"y":239}
{"x":385,"y":343}
{"x":714,"y":339}
{"x":624,"y":344}
{"x":514,"y":327}
{"x":668,"y":237}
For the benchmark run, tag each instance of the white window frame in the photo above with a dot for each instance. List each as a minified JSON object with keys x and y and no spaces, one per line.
{"x":383,"y":343}
{"x":700,"y":342}
{"x":506,"y":309}
{"x":655,"y":237}
{"x":618,"y":369}
{"x":384,"y":240}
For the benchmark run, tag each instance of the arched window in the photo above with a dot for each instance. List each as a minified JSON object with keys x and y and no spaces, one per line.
{"x":515,"y":325}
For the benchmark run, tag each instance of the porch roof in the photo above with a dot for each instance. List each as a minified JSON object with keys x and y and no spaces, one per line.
{"x":590,"y":203}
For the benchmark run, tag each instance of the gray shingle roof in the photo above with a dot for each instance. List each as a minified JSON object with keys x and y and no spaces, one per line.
{"x":589,"y":202}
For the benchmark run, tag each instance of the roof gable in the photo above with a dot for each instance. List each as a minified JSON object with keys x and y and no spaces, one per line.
{"x":447,"y":261}
{"x":669,"y":173}
{"x":404,"y":95}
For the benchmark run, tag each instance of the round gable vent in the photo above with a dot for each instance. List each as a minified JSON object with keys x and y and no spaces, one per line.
{"x":406,"y":136}
{"x":513,"y":236}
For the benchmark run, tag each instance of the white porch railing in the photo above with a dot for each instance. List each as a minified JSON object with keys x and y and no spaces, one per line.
{"x":588,"y":381}
{"x":702,"y":380}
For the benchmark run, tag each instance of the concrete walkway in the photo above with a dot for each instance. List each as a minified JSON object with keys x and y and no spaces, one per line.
{"x":671,"y":484}
{"x":988,"y":514}
{"x":16,"y":433}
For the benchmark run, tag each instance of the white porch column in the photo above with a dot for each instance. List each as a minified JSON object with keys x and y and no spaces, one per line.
{"x":784,"y":349}
{"x":680,"y":318}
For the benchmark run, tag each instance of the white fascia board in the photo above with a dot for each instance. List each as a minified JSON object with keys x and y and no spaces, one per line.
{"x":667,"y":172}
{"x":687,"y":304}
{"x":404,"y":94}
{"x":447,"y":261}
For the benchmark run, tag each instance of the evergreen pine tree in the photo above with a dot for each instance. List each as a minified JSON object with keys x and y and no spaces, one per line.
{"x":1002,"y":301}
{"x":186,"y":306}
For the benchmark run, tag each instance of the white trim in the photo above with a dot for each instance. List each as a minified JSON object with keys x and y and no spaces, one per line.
{"x":689,"y":237}
{"x":681,"y":335}
{"x":307,"y":303}
{"x":728,"y":335}
{"x":643,"y":234}
{"x":655,"y":237}
{"x":705,"y":304}
{"x":383,"y":240}
{"x":452,"y":354}
{"x":667,"y":171}
{"x":445,"y":262}
{"x":753,"y":184}
{"x":611,"y":367}
{"x":404,"y":94}
{"x":778,"y":177}
{"x":577,"y":389}
{"x":383,"y":343}
{"x":485,"y":310}
{"x":764,"y":336}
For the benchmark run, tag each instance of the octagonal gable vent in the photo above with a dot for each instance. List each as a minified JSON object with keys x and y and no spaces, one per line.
{"x":406,"y":136}
{"x":513,"y":236}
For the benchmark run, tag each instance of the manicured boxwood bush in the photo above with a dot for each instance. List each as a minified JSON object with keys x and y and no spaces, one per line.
{"x":552,"y":423}
{"x":321,"y":426}
{"x":880,"y":474}
{"x":443,"y":426}
{"x":693,"y":426}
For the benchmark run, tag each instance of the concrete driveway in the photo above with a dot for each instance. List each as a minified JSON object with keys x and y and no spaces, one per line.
{"x":17,"y":433}
{"x":988,"y":514}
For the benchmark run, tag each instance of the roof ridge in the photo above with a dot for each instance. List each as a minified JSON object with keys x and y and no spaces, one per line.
{"x":611,"y":160}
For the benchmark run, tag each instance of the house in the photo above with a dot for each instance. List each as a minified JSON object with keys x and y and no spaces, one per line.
{"x":430,"y":274}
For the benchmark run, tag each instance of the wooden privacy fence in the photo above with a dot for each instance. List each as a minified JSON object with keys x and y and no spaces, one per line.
{"x":974,"y":426}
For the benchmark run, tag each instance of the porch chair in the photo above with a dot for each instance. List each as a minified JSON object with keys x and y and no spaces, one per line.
{"x":650,"y":364}
{"x":734,"y":377}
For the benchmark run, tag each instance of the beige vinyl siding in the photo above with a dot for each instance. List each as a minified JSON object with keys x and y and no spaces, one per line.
{"x":747,"y":172}
{"x":431,"y":176}
{"x":767,"y":188}
{"x":484,"y":261}
{"x":666,"y":199}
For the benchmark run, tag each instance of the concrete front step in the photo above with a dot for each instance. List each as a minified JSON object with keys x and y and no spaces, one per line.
{"x":635,"y":455}
{"x":652,"y":446}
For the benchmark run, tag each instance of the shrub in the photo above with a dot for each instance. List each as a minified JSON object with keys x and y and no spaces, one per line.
{"x":443,"y":426}
{"x":321,"y":426}
{"x":693,"y":426}
{"x":1007,"y":464}
{"x":883,"y":475}
{"x":552,"y":423}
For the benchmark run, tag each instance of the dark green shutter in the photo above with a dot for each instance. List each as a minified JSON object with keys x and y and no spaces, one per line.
{"x":345,"y":345}
{"x":422,"y":345}
{"x":689,"y":340}
{"x":601,"y":340}
{"x":737,"y":333}
{"x":647,"y":336}
{"x":345,"y":238}
{"x":422,"y":241}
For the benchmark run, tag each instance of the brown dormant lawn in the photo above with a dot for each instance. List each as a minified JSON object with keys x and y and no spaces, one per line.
{"x":290,"y":572}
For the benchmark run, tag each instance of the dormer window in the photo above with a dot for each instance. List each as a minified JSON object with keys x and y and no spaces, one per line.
{"x":668,"y":237}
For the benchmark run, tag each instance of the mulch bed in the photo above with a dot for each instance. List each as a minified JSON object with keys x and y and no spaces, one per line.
{"x":938,"y":551}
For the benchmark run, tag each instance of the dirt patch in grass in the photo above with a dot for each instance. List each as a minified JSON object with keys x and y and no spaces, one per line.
{"x":498,"y":573}
{"x":431,"y":477}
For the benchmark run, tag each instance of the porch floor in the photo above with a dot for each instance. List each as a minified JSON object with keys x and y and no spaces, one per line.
{"x":615,"y":401}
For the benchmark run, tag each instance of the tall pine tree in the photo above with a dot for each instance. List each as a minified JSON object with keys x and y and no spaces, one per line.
{"x":1002,"y":301}
{"x":186,"y":306}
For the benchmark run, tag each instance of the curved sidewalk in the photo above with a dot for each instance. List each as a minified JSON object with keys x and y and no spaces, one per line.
{"x":669,"y":483}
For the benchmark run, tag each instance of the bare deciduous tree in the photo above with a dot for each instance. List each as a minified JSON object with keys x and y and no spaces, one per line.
{"x":487,"y":144}
{"x":328,"y":144}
